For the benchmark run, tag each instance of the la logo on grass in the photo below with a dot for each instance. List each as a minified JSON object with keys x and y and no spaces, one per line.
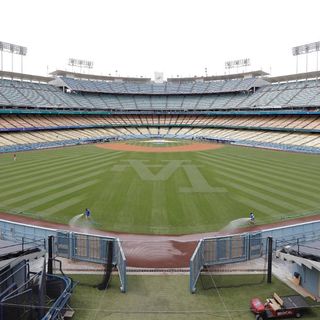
{"x":166,"y":170}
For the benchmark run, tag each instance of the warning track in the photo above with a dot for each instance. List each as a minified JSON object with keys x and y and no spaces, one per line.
{"x":155,"y":251}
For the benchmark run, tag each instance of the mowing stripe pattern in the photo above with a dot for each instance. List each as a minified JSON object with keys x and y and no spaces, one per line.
{"x":160,"y":193}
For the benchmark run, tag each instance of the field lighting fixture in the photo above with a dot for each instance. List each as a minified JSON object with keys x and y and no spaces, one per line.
{"x":80,"y":63}
{"x":306,"y":49}
{"x":237,"y":63}
{"x":13,"y":49}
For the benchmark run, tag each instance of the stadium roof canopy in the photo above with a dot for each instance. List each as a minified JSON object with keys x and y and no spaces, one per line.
{"x":85,"y":76}
{"x":294,"y":77}
{"x":250,"y":74}
{"x":23,"y":76}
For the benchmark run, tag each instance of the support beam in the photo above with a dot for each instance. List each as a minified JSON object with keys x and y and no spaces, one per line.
{"x":50,"y":255}
{"x":269,"y":274}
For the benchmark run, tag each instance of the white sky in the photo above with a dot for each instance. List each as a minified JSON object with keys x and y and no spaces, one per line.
{"x":177,"y":37}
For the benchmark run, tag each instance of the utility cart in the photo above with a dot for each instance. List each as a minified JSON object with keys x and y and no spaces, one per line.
{"x":276,"y":307}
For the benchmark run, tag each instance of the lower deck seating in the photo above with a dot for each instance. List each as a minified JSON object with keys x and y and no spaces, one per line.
{"x":252,"y":137}
{"x":279,"y":131}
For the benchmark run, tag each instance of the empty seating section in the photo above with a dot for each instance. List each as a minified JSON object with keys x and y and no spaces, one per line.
{"x":221,"y":101}
{"x":199,"y":87}
{"x":295,"y":94}
{"x":304,"y":97}
{"x":158,"y":88}
{"x":123,"y":127}
{"x":13,"y":96}
{"x":21,"y":93}
{"x":82,"y":101}
{"x":235,"y":101}
{"x":172,"y":88}
{"x":127,"y":102}
{"x":193,"y":95}
{"x":190,"y":102}
{"x":265,"y":99}
{"x":68,"y":99}
{"x":261,"y":137}
{"x":158,"y":102}
{"x":143,"y":102}
{"x":183,"y":87}
{"x":96,"y":100}
{"x":132,"y":88}
{"x":111,"y":101}
{"x":205,"y":102}
{"x":174,"y":102}
{"x":231,"y":85}
{"x":141,"y":99}
{"x":20,"y":122}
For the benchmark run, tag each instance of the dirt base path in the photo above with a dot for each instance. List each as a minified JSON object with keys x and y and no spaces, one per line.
{"x":153,"y":251}
{"x":193,"y":146}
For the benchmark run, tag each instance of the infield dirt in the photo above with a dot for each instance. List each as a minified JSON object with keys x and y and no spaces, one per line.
{"x":194,"y":146}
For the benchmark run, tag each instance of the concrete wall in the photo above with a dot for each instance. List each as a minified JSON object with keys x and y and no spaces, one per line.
{"x":309,"y":278}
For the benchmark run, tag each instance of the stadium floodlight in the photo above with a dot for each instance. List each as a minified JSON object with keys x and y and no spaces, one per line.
{"x":306,"y":49}
{"x":80,"y":63}
{"x":13,"y":49}
{"x":237,"y":63}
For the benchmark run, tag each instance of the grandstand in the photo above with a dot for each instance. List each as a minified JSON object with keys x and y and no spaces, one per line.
{"x":67,"y":108}
{"x":71,"y":108}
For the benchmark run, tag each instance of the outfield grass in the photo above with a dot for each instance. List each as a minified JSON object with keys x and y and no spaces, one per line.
{"x":160,"y":193}
{"x":167,"y":297}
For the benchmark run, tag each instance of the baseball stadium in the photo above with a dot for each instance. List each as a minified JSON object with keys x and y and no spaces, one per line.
{"x":140,"y":198}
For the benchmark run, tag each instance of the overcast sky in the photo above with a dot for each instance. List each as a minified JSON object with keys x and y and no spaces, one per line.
{"x":176,"y":37}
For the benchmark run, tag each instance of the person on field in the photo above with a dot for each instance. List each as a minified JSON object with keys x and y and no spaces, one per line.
{"x":251,"y":217}
{"x":87,"y":213}
{"x":14,"y":157}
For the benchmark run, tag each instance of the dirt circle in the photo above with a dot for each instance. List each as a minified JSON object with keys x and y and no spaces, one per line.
{"x":193,"y":146}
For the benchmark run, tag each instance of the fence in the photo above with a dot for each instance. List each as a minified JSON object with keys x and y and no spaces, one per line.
{"x":23,"y":293}
{"x":70,"y":245}
{"x":196,"y":264}
{"x":122,"y":265}
{"x":246,"y":246}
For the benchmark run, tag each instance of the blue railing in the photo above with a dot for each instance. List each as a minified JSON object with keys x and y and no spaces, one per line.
{"x":64,"y":110}
{"x":56,"y":310}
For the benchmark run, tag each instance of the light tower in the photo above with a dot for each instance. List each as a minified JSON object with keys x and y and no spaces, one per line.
{"x":237,"y":64}
{"x":306,"y":49}
{"x":13,"y":49}
{"x":80,"y":63}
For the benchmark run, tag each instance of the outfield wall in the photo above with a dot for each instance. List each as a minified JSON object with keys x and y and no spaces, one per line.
{"x":67,"y":244}
{"x":247,"y":246}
